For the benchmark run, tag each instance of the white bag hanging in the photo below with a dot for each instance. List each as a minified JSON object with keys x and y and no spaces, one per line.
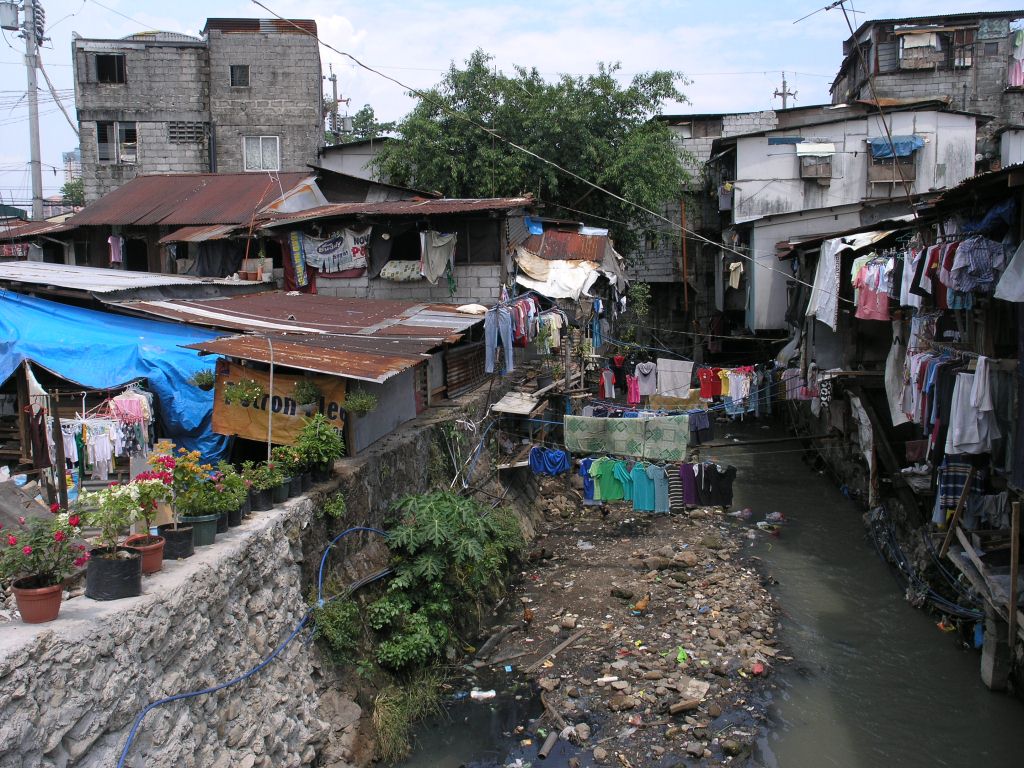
{"x":1011,"y":284}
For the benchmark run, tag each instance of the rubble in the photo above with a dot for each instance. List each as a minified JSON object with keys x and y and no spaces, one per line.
{"x":673,"y":634}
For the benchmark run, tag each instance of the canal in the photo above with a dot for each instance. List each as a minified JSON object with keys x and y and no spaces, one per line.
{"x":874,"y":681}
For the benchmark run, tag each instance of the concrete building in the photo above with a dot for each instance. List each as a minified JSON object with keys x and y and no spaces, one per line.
{"x":244,"y":97}
{"x":973,"y":60}
{"x":72,"y":164}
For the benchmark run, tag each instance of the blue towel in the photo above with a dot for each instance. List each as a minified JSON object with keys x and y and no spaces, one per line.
{"x":548,"y":461}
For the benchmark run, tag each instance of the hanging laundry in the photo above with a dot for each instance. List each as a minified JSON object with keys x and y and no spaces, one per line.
{"x":437,"y":254}
{"x":548,"y":461}
{"x":643,"y":488}
{"x":659,"y":479}
{"x":646,"y":373}
{"x":632,"y":390}
{"x":674,"y":377}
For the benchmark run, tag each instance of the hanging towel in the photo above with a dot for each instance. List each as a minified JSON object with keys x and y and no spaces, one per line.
{"x":437,"y":251}
{"x":674,"y":377}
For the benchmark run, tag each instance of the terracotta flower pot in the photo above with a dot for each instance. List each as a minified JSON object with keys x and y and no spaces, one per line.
{"x":151,"y":548}
{"x":37,"y":605}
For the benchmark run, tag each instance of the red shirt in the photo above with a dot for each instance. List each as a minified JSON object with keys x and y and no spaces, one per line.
{"x":710,"y":383}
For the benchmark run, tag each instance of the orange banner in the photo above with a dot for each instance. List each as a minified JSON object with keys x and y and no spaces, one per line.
{"x":249,"y":419}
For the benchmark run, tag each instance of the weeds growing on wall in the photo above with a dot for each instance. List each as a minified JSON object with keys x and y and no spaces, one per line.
{"x":448,"y":553}
{"x":396,"y":708}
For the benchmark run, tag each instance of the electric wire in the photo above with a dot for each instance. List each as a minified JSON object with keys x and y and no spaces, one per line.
{"x":494,"y":134}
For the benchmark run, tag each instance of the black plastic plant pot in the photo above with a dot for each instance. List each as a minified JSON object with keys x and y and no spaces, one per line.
{"x":204,"y":529}
{"x":177,"y":541}
{"x":222,"y":522}
{"x":321,"y":474}
{"x":262,"y":501}
{"x":246,"y":508}
{"x":295,"y":486}
{"x":280,"y":493}
{"x":113,"y":578}
{"x":307,"y":481}
{"x":235,"y":517}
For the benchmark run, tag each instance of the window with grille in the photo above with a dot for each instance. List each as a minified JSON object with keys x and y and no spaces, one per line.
{"x":181,"y":132}
{"x":117,"y":143}
{"x":261,"y":153}
{"x":239,"y":75}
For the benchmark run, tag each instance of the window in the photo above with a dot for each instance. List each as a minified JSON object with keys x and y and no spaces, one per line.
{"x":110,"y":68}
{"x":260,"y":153}
{"x":239,"y":75}
{"x":817,"y":167}
{"x":991,"y":49}
{"x":180,"y":132}
{"x":117,"y":143}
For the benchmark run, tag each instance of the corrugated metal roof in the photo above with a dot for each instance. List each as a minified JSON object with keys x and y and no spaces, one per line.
{"x":188,"y":199}
{"x":94,"y":279}
{"x":367,"y":359}
{"x":266,"y":26}
{"x":432,"y":207}
{"x":556,"y":245}
{"x":276,"y":311}
{"x":24,"y":229}
{"x":199,"y":234}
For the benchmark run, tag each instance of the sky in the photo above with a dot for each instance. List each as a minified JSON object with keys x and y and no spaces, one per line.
{"x":732,"y":53}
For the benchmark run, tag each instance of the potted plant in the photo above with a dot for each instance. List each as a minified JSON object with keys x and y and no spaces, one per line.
{"x":114,"y":571}
{"x":150,"y":488}
{"x":197,"y":507}
{"x":203,"y":379}
{"x":243,"y":392}
{"x":320,"y":445}
{"x":235,"y":488}
{"x":307,"y":395}
{"x":263,"y":481}
{"x":290,"y":461}
{"x":278,"y":487}
{"x":38,"y":556}
{"x":185,"y":471}
{"x":360,"y":402}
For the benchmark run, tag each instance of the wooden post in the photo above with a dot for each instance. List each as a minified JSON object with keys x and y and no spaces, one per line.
{"x":24,"y":401}
{"x":956,"y":514}
{"x":58,"y":449}
{"x":686,"y":264}
{"x":1011,"y":611}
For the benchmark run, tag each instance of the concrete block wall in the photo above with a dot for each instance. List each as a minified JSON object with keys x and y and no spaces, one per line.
{"x":476,"y":284}
{"x":283,"y":98}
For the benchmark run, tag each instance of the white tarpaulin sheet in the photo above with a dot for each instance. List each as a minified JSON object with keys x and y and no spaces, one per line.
{"x":814,"y":149}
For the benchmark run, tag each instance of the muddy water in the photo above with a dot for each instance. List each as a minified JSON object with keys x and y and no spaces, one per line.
{"x":874,"y":681}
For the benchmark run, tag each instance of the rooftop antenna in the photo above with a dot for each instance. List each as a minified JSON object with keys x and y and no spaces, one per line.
{"x":785,"y":93}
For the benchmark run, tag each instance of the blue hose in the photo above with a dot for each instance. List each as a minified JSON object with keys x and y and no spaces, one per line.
{"x":273,"y":655}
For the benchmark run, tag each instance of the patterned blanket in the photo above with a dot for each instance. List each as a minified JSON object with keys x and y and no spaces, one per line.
{"x":661,"y":438}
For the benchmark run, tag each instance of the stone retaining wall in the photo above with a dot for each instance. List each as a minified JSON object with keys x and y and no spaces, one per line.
{"x":70,"y":690}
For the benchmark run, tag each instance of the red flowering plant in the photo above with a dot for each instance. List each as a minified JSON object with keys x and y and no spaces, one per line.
{"x":184,"y":467}
{"x":153,"y":486}
{"x":42,"y":551}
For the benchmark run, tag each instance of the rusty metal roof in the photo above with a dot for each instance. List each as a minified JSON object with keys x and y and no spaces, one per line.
{"x":265,"y":26}
{"x":367,"y":359}
{"x":431,"y":207}
{"x":188,"y":199}
{"x":279,"y":312}
{"x":199,"y":234}
{"x":96,"y":279}
{"x":25,"y":229}
{"x":557,"y":245}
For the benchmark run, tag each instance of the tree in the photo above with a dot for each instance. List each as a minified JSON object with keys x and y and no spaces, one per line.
{"x":73,"y":192}
{"x":591,"y":125}
{"x":364,"y":126}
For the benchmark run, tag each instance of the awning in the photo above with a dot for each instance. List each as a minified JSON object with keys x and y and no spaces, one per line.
{"x":901,"y":146}
{"x":815,"y":149}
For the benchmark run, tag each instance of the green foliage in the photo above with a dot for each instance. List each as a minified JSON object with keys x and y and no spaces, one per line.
{"x":245,"y":391}
{"x":639,"y":299}
{"x":203,"y":379}
{"x":364,"y":126}
{"x":396,"y":708}
{"x":334,"y":507}
{"x":73,"y":192}
{"x":593,"y":125}
{"x":287,"y":459}
{"x":319,"y":443}
{"x":306,"y":392}
{"x":339,"y":624}
{"x":263,"y":476}
{"x":360,"y":402}
{"x":449,"y":551}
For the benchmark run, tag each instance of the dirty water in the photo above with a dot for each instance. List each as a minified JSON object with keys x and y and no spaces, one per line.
{"x":874,"y":681}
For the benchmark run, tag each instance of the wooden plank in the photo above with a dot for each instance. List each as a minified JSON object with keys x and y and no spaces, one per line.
{"x":956,"y":514}
{"x":1011,"y":605}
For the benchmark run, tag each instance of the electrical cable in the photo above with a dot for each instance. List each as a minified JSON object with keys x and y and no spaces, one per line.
{"x":494,"y":134}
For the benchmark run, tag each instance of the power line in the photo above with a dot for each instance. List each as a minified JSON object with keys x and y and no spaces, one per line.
{"x":494,"y":134}
{"x":123,"y":16}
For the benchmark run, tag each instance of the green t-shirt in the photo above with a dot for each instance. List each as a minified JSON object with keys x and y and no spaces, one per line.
{"x":623,"y":476}
{"x":610,"y":487}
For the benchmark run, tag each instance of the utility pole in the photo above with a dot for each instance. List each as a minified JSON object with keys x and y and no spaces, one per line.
{"x":334,"y":102}
{"x":32,"y":34}
{"x":785,"y":93}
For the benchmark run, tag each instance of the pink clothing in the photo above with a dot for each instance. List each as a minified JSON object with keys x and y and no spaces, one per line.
{"x":872,"y":295}
{"x":632,"y":390}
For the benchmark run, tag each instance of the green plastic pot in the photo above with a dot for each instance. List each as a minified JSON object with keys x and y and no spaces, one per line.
{"x":204,"y":529}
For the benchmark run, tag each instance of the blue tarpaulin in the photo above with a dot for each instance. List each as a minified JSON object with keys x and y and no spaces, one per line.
{"x":901,"y":146}
{"x":100,"y":350}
